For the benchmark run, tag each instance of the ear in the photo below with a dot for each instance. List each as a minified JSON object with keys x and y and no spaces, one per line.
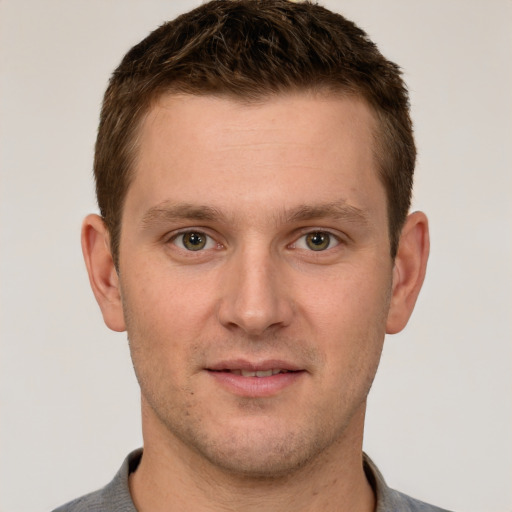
{"x":408,"y":271}
{"x":102,"y":272}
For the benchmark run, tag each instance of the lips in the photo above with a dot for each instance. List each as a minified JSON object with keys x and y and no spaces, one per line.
{"x":247,"y":368}
{"x":257,"y":373}
{"x":255,"y":379}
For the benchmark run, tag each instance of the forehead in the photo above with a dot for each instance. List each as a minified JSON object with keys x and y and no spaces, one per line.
{"x":229,"y":153}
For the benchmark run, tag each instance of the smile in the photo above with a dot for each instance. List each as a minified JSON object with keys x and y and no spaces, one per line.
{"x":256,"y":380}
{"x":258,"y":373}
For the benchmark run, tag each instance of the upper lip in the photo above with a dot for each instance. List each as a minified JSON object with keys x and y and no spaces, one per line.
{"x":254,"y":366}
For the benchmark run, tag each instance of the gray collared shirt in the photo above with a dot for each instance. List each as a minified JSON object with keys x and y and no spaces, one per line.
{"x":115,"y":497}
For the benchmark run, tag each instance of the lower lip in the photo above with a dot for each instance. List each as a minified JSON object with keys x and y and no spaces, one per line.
{"x":256,"y":387}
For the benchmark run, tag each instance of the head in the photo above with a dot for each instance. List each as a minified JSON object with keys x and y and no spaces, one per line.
{"x":250,"y":50}
{"x":255,"y":242}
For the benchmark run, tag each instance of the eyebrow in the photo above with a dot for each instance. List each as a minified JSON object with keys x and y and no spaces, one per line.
{"x":169,"y":211}
{"x":335,"y":210}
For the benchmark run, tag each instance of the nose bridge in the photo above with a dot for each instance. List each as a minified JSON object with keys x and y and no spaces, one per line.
{"x":255,"y":292}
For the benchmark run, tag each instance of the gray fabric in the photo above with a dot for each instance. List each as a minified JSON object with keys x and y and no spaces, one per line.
{"x":389,"y":500}
{"x":115,"y":497}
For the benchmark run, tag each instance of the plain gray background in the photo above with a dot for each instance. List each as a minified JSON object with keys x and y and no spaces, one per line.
{"x":440,"y":414}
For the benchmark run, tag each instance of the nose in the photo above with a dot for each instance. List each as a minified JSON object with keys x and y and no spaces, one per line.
{"x":256,"y":297}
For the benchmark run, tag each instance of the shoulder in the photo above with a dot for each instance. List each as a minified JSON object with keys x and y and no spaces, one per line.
{"x":114,"y":497}
{"x":88,"y":503}
{"x":389,"y":500}
{"x":404,"y":503}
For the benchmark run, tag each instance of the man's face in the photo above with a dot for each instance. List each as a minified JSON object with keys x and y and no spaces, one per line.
{"x":254,"y":239}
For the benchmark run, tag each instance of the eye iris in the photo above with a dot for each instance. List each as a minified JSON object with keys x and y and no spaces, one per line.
{"x":318,"y":241}
{"x":194,"y":241}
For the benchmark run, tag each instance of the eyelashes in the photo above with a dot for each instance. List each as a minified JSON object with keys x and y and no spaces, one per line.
{"x":316,"y":241}
{"x":197,"y":241}
{"x":194,"y":241}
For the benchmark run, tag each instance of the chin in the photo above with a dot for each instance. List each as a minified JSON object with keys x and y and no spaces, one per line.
{"x":269,"y":459}
{"x":266,"y":452}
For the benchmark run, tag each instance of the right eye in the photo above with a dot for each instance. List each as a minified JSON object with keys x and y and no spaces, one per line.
{"x":193,"y":241}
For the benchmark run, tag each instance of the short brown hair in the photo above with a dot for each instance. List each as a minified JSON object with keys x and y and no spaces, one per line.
{"x":249,"y":49}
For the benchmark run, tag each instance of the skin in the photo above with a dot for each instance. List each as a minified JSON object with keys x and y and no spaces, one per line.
{"x":252,"y":182}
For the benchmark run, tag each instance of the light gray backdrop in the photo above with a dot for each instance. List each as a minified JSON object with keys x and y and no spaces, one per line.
{"x":440,"y":413}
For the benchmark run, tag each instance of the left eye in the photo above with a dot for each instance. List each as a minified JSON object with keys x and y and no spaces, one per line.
{"x":317,"y":241}
{"x":194,"y":241}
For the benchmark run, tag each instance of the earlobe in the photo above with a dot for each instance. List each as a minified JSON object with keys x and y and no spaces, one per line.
{"x":409,"y":271}
{"x":102,"y":272}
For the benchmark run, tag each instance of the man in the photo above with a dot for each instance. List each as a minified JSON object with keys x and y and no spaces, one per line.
{"x":254,"y":167}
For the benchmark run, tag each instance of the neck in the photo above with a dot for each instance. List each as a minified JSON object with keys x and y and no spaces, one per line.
{"x":172,"y":477}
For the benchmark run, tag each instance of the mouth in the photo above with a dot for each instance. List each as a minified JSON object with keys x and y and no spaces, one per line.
{"x":256,"y":379}
{"x":255,"y":373}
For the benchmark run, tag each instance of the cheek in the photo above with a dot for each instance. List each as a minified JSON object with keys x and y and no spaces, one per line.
{"x":164,"y":299}
{"x":348,"y":316}
{"x":167,"y":312}
{"x":164,"y":351}
{"x":352,"y":298}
